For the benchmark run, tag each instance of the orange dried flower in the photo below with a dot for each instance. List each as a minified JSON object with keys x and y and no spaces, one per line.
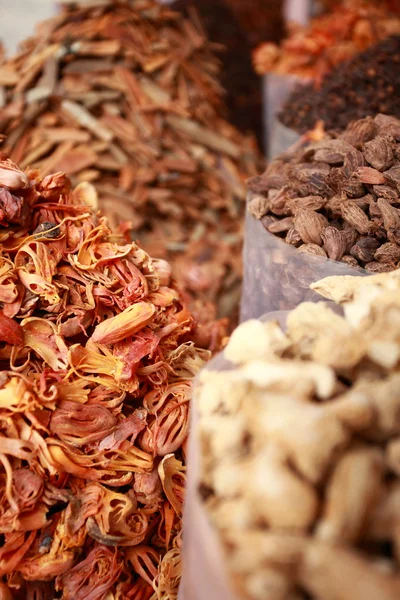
{"x":94,"y":393}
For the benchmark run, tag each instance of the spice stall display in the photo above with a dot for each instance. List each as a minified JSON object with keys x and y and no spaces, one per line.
{"x":97,"y":365}
{"x":311,"y":51}
{"x":298,"y":448}
{"x":332,"y":202}
{"x":245,"y":24}
{"x":126,"y":96}
{"x":365,"y":85}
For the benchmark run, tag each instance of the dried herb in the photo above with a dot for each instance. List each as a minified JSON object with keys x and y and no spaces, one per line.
{"x":338,"y":196}
{"x":126,"y":95}
{"x":311,"y":51}
{"x":365,"y":85}
{"x":97,"y":360}
{"x":300,"y":449}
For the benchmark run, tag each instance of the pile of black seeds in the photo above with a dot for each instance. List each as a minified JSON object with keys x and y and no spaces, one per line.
{"x":365,"y":85}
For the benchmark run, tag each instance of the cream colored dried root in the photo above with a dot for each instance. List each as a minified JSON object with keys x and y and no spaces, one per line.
{"x":301,"y":379}
{"x":256,"y":339}
{"x":323,"y":336}
{"x":343,"y":289}
{"x":352,"y":493}
{"x":301,"y":448}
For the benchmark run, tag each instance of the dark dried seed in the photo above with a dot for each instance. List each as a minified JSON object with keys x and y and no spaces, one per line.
{"x":47,"y":230}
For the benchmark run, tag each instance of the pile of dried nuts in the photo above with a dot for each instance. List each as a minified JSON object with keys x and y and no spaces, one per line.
{"x":96,"y":365}
{"x":311,"y":51}
{"x":300,"y":448}
{"x":127,"y":96}
{"x":337,"y":197}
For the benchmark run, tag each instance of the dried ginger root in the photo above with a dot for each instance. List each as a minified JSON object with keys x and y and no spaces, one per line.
{"x":300,"y":448}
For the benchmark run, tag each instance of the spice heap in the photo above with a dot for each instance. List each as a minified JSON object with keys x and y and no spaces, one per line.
{"x":301,"y":448}
{"x":244,"y":25}
{"x":259,"y":19}
{"x":126,"y":95}
{"x":311,"y":51}
{"x":365,"y":85}
{"x":95,"y":384}
{"x":338,"y":197}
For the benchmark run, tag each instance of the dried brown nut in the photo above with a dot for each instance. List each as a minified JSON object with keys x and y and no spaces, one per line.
{"x":388,"y":125}
{"x":351,"y":236}
{"x":280,"y":226}
{"x":312,"y":249}
{"x":353,"y":188}
{"x":388,"y":253}
{"x":334,"y":205}
{"x":365,"y":248}
{"x":293,"y":237}
{"x":354,"y":216}
{"x":369,"y":175}
{"x":359,"y":132}
{"x":310,"y":202}
{"x":258,"y":205}
{"x":333,"y":152}
{"x":353,"y":160}
{"x":350,"y":260}
{"x":392,"y":177}
{"x":310,"y":225}
{"x":335,"y":242}
{"x":385,"y":191}
{"x":379,"y":152}
{"x":378,"y":267}
{"x":337,"y":202}
{"x":267,"y":220}
{"x":391,"y":219}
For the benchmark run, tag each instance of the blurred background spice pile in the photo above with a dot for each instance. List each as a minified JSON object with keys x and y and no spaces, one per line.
{"x":348,"y":28}
{"x":128,"y":97}
{"x":96,"y":366}
{"x":240,"y":26}
{"x":365,"y":85}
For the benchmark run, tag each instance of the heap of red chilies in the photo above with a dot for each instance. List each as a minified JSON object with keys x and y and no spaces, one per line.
{"x":95,"y":382}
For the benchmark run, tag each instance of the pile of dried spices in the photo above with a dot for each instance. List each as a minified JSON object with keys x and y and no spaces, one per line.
{"x":311,"y":51}
{"x":338,"y":197}
{"x":300,"y":449}
{"x":126,"y":95}
{"x":365,"y":85}
{"x":97,"y":365}
{"x":244,"y":25}
{"x":259,"y":19}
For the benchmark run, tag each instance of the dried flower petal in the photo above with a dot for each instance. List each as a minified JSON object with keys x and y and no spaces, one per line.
{"x":127,"y":323}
